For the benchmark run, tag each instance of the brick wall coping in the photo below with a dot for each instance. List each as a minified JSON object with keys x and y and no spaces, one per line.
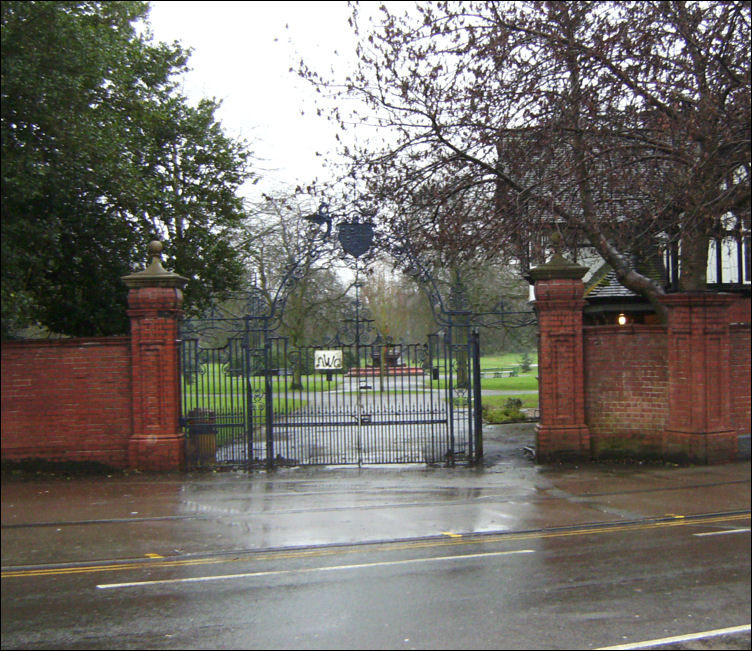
{"x":73,"y":342}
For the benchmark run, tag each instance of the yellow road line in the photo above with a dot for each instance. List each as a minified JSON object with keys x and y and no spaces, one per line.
{"x":679,"y":521}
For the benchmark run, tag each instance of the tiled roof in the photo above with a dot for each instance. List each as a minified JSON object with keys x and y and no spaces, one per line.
{"x":603,"y":283}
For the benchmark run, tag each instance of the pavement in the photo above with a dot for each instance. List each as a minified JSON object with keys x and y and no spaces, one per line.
{"x":68,"y":520}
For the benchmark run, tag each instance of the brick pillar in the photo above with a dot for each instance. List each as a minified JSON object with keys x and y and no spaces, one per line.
{"x":561,"y":432}
{"x":155,"y":300}
{"x":699,"y":372}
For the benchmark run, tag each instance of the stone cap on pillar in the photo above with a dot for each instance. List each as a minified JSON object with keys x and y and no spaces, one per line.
{"x":557,"y":267}
{"x":155,"y":275}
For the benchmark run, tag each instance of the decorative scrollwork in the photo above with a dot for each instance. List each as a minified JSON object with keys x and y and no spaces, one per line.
{"x":455,"y":310}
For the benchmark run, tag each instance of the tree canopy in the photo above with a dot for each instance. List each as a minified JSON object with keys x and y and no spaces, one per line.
{"x":295,"y":268}
{"x":101,"y":153}
{"x":625,"y":126}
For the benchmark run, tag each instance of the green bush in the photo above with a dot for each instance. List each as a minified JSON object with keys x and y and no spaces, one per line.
{"x":509,"y":413}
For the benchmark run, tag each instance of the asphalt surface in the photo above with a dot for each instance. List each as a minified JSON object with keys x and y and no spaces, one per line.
{"x":53,"y":519}
{"x":63,"y":536}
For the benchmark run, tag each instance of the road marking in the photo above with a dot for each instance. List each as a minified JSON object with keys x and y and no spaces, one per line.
{"x":678,"y":638}
{"x":475,"y":539}
{"x":721,"y":533}
{"x":451,"y":534}
{"x":328,"y":568}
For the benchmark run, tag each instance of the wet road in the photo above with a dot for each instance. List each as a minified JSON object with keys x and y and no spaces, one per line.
{"x":508,"y":556}
{"x":585,"y":587}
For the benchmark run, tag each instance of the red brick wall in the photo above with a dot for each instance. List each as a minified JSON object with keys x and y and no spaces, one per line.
{"x":741,"y":362}
{"x":626,"y":389}
{"x":740,"y":316}
{"x":740,"y":310}
{"x":627,"y":386}
{"x":67,"y":400}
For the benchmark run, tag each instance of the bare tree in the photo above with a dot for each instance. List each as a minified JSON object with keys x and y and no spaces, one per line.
{"x":397,"y":306}
{"x":296,"y":272}
{"x":618,"y":124}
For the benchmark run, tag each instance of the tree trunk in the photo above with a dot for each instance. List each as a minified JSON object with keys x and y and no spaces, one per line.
{"x":694,"y":262}
{"x":297,"y":377}
{"x":627,"y":276}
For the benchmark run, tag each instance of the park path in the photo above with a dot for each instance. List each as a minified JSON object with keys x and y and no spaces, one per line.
{"x":354,"y":422}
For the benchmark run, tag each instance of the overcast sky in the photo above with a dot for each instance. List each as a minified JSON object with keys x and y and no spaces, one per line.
{"x":242,"y":55}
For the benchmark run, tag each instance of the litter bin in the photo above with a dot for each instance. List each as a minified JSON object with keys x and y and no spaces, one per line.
{"x":202,"y":437}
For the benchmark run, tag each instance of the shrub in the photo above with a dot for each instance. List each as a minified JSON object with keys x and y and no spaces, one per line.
{"x":509,"y":413}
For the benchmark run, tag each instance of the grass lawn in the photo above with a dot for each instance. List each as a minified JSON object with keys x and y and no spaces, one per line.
{"x":214,"y":380}
{"x":506,"y":409}
{"x":529,"y":401}
{"x":526,"y":382}
{"x":507,"y":359}
{"x":523,"y":382}
{"x":518,"y":383}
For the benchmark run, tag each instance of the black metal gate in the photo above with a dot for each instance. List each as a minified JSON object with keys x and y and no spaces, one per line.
{"x":255,"y":400}
{"x":249,"y":398}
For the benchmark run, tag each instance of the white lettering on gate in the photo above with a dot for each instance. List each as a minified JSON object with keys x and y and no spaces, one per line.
{"x":327,"y":360}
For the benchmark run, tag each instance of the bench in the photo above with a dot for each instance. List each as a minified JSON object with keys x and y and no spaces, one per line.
{"x":504,"y":371}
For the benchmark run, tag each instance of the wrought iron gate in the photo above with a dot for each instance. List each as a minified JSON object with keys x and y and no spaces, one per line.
{"x":249,"y":398}
{"x":257,"y":401}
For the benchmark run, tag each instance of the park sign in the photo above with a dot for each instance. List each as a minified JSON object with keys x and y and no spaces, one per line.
{"x":327,"y":360}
